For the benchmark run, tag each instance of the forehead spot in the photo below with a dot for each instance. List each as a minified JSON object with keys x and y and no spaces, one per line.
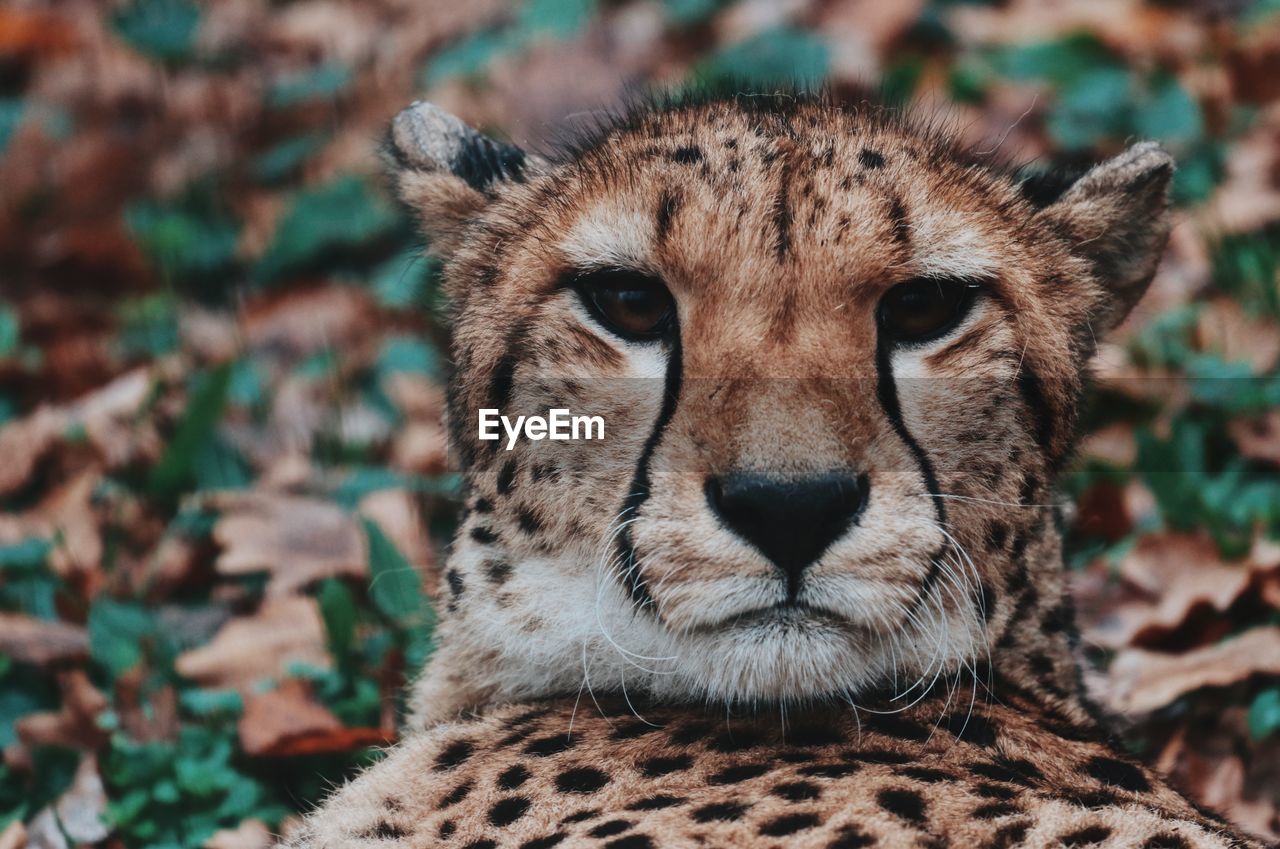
{"x":610,"y":235}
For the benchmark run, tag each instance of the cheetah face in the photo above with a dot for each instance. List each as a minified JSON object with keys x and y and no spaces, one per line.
{"x":837,"y":362}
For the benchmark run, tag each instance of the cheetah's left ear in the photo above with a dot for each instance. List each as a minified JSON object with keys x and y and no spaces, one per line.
{"x":448,"y":172}
{"x":1117,"y":216}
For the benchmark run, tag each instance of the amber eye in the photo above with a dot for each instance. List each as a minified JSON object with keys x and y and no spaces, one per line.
{"x":924,"y":309}
{"x":631,"y":304}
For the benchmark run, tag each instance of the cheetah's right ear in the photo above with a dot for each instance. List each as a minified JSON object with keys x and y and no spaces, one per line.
{"x":1117,"y":216}
{"x":448,"y":172}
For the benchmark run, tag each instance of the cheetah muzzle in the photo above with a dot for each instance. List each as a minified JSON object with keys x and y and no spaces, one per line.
{"x":807,"y":591}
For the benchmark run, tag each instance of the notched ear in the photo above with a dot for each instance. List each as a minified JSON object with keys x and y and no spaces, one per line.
{"x":448,"y":172}
{"x":1117,"y":216}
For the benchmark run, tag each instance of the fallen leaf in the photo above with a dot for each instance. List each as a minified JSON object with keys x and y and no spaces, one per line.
{"x":75,"y":723}
{"x":40,"y":641}
{"x":275,"y":718}
{"x":250,"y":834}
{"x":78,"y":814}
{"x":297,"y":540}
{"x":14,"y":836}
{"x":284,"y":631}
{"x":1258,"y":438}
{"x":1141,"y":681}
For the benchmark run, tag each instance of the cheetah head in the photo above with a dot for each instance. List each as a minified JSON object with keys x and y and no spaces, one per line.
{"x":837,"y":359}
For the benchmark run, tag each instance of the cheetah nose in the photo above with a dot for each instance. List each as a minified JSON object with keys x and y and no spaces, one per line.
{"x":792,"y":521}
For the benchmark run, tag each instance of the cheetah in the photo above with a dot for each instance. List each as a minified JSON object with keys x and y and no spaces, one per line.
{"x":808,"y":591}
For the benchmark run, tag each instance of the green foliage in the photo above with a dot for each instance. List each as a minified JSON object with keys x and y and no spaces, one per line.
{"x":1247,"y":265}
{"x":148,"y":326}
{"x":283,"y":161}
{"x":118,"y":634}
{"x":468,"y":57}
{"x":326,"y":222}
{"x":323,"y":81}
{"x":163,"y":29}
{"x":776,"y":57}
{"x":557,"y":18}
{"x":191,"y":243}
{"x":178,"y":469}
{"x":12,"y":111}
{"x":26,"y":584}
{"x":1264,"y":714}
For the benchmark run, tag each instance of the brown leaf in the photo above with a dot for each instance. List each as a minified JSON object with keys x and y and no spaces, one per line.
{"x":75,"y":723}
{"x":273,"y":719}
{"x":41,"y":642}
{"x":1141,"y":681}
{"x":1258,"y":438}
{"x":297,"y":540}
{"x":1223,"y":327}
{"x":14,"y":836}
{"x":284,"y":631}
{"x":78,"y":814}
{"x":250,"y":834}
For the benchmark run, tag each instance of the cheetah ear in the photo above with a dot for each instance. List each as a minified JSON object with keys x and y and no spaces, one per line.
{"x":1117,"y":216}
{"x":448,"y":172}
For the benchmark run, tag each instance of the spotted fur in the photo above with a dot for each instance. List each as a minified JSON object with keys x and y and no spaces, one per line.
{"x":917,"y":684}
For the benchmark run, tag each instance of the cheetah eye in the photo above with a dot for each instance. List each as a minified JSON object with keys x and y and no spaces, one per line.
{"x":631,"y":304}
{"x":924,"y":309}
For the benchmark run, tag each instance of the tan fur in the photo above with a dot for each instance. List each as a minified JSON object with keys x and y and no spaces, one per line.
{"x":587,"y":571}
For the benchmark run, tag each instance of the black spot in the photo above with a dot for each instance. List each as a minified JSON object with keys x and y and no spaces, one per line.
{"x":632,"y":730}
{"x":517,"y":736}
{"x":972,"y":728}
{"x":987,"y":599}
{"x":796,"y":791}
{"x":483,"y":505}
{"x":809,"y":735}
{"x":455,"y":754}
{"x":687,"y":155}
{"x":1092,"y":799}
{"x":506,"y":477}
{"x":905,"y":804}
{"x":655,"y":803}
{"x":580,"y":816}
{"x":547,"y":746}
{"x":631,"y":841}
{"x":545,"y":842}
{"x":513,"y":777}
{"x":925,"y":774}
{"x":1118,"y":774}
{"x":993,"y":791}
{"x":508,"y":810}
{"x":898,"y":218}
{"x":877,"y":756}
{"x":528,"y":522}
{"x":481,"y":161}
{"x":735,"y":774}
{"x":734,"y":741}
{"x":1013,"y":771}
{"x":447,"y":828}
{"x":483,"y":535}
{"x":1085,"y":836}
{"x":688,"y":734}
{"x":497,"y":571}
{"x":789,"y":824}
{"x":828,"y":770}
{"x":994,"y":810}
{"x":997,"y":535}
{"x":610,"y":828}
{"x":456,"y":795}
{"x":1040,"y":664}
{"x":455,"y":583}
{"x":1009,"y":836}
{"x":654,"y":767}
{"x":1166,"y":841}
{"x":871,"y":158}
{"x":483,"y":843}
{"x":583,"y":779}
{"x":668,"y":206}
{"x":719,"y":812}
{"x":850,"y":837}
{"x":1030,"y":484}
{"x":900,"y":728}
{"x":387,"y":831}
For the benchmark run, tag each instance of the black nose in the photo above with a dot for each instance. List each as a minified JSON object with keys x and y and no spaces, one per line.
{"x":790,"y":520}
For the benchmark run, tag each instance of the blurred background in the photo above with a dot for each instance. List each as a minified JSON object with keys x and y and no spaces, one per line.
{"x":223,"y":480}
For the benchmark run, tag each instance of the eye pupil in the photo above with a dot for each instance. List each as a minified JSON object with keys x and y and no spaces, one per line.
{"x":925,"y":308}
{"x":631,"y":304}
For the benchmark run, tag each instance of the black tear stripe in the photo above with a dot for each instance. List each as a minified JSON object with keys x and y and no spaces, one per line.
{"x":887,"y":392}
{"x":639,"y":491}
{"x":782,"y":213}
{"x":1029,"y":386}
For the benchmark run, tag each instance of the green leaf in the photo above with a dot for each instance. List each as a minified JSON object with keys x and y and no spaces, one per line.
{"x":467,"y":58}
{"x":394,"y":586}
{"x":324,"y":81}
{"x":164,"y":29}
{"x":149,"y":325}
{"x":1093,"y":106}
{"x":176,"y":471}
{"x":684,"y":13}
{"x":190,"y":242}
{"x":778,"y":56}
{"x":11,"y":114}
{"x":28,"y":554}
{"x":338,"y":608}
{"x":1264,"y":714}
{"x":404,"y":353}
{"x":117,"y":633}
{"x":557,"y":18}
{"x":286,"y":159}
{"x":207,"y":703}
{"x":324,"y":222}
{"x":1059,"y":62}
{"x":10,"y":331}
{"x":1169,"y":113}
{"x":405,"y":281}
